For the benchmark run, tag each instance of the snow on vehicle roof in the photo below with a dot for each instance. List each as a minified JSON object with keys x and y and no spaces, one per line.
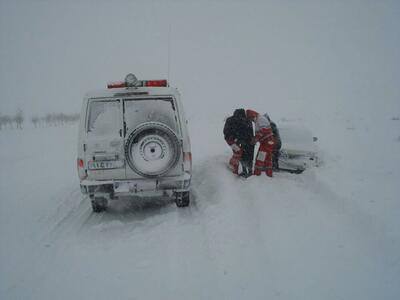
{"x":298,"y":139}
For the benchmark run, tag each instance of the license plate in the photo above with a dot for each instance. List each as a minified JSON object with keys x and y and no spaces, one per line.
{"x":105,"y":164}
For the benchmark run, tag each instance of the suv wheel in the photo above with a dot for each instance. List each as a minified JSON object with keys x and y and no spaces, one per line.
{"x":182,"y":199}
{"x":99,"y":204}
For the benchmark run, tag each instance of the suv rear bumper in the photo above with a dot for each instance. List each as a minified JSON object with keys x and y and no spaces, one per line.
{"x":146,"y":187}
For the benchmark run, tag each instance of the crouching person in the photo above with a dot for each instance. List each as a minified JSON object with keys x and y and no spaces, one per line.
{"x":238,"y":133}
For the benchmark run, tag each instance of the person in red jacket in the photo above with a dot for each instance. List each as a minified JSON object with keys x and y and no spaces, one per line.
{"x":263,"y":135}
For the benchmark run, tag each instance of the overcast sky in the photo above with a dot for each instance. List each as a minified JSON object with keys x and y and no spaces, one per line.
{"x":343,"y":55}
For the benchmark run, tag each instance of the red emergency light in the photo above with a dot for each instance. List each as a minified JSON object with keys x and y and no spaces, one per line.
{"x":131,"y":81}
{"x":115,"y":85}
{"x":156,"y":83}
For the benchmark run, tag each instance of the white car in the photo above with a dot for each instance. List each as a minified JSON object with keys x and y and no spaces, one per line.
{"x":134,"y":141}
{"x":299,"y":149}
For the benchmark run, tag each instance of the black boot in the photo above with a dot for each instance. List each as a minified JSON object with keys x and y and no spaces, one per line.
{"x":246,"y":170}
{"x":275,"y":161}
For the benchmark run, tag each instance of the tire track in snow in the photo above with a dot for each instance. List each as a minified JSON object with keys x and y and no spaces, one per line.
{"x":229,"y":227}
{"x":193,"y":224}
{"x":68,"y":218}
{"x":244,"y":236}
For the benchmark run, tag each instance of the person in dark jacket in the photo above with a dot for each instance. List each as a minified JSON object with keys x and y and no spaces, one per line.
{"x":277,"y":146}
{"x":238,"y":133}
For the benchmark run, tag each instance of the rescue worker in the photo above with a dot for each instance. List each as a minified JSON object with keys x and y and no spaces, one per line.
{"x":238,"y":133}
{"x":263,"y":135}
{"x":277,"y":146}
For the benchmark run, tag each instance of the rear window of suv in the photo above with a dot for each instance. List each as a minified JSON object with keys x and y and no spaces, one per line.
{"x":104,"y":117}
{"x":162,"y":110}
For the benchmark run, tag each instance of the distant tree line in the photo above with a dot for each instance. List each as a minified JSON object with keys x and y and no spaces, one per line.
{"x":13,"y":121}
{"x":55,"y":119}
{"x":50,"y":119}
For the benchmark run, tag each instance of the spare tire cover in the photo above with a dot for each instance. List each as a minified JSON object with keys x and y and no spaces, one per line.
{"x":152,"y":149}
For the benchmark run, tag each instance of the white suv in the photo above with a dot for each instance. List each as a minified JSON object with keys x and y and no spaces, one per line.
{"x":134,"y":141}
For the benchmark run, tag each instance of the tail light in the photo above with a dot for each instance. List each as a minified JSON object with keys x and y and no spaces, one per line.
{"x":81,"y":169}
{"x":80,"y":163}
{"x":187,"y":161}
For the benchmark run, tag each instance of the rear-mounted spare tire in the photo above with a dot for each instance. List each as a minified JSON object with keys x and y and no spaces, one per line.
{"x":152,"y":149}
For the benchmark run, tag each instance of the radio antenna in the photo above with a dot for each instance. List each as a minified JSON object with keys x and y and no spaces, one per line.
{"x":169,"y":50}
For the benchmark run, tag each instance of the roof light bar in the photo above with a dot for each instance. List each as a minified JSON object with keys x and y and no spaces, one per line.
{"x":131,"y":81}
{"x":114,"y":85}
{"x":152,"y":83}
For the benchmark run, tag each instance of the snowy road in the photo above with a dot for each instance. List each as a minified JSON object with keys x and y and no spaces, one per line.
{"x":321,"y":235}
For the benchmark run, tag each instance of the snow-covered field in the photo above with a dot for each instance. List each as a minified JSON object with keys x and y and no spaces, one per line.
{"x":330,"y":233}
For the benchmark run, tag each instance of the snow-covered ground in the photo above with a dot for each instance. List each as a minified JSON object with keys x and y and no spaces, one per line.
{"x":330,"y":233}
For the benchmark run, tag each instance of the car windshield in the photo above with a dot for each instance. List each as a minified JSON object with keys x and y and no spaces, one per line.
{"x":138,"y":111}
{"x":104,"y":118}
